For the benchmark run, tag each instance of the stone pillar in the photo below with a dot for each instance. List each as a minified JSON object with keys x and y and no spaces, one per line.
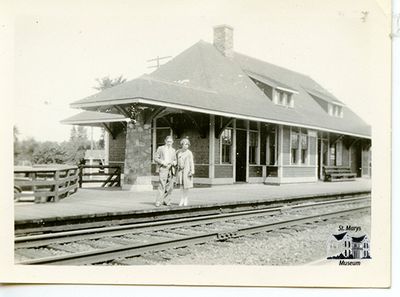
{"x":137,"y":171}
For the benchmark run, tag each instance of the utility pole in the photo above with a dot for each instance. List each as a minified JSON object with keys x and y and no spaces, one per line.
{"x":157,"y":59}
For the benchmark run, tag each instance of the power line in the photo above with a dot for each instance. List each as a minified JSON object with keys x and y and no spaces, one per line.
{"x":157,"y":59}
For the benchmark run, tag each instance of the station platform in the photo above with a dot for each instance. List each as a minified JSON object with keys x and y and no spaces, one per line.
{"x":109,"y":201}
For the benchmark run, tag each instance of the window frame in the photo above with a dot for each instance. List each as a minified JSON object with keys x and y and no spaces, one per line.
{"x":222,"y":145}
{"x":256,"y":147}
{"x":296,"y":154}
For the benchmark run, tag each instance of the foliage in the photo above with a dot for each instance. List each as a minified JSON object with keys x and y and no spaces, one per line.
{"x":16,"y":133}
{"x":77,"y":145}
{"x":23,"y":150}
{"x":107,"y":82}
{"x":49,"y":153}
{"x":101,"y":143}
{"x":68,"y":152}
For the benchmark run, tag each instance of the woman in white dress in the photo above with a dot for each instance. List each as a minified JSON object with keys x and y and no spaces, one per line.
{"x":185,"y":170}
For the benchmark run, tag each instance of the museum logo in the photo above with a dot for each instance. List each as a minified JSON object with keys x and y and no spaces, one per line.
{"x":347,"y":248}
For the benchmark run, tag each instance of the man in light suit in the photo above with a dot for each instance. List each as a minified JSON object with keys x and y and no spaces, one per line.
{"x":165,"y":157}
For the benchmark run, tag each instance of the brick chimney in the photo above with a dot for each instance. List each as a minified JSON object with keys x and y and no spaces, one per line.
{"x":223,"y":40}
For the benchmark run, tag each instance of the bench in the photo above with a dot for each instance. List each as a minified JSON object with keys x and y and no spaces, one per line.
{"x":338,"y":173}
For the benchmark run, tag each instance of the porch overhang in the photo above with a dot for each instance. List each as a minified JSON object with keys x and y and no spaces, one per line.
{"x":93,"y":118}
{"x":155,"y":102}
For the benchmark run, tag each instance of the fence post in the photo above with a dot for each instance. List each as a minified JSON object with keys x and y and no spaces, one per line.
{"x":34,"y":188}
{"x":119,"y":176}
{"x":80,"y":175}
{"x":56,"y":185}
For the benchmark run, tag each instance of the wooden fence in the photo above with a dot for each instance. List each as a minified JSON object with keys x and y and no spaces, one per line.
{"x":107,"y":175}
{"x":47,"y":182}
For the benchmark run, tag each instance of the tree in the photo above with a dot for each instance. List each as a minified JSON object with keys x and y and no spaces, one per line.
{"x":77,"y":145}
{"x":101,"y":142}
{"x":72,"y":137}
{"x":16,"y":145}
{"x":23,"y":150}
{"x":49,"y":153}
{"x":107,"y":82}
{"x":16,"y":133}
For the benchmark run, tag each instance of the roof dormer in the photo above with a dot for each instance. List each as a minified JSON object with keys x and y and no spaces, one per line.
{"x":332,"y":106}
{"x":279,"y":93}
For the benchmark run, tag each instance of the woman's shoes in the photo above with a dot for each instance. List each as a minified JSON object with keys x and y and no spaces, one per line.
{"x":184,"y":202}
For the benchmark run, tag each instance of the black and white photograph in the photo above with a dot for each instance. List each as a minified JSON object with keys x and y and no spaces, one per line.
{"x":200,"y":143}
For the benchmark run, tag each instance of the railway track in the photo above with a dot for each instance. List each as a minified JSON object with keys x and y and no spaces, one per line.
{"x":105,"y":244}
{"x":79,"y":222}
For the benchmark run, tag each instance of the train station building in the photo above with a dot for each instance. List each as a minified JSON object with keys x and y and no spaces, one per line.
{"x":247,"y":120}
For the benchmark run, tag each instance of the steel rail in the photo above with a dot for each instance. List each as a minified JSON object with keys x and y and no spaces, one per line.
{"x":94,"y":233}
{"x":109,"y":254}
{"x":96,"y":220}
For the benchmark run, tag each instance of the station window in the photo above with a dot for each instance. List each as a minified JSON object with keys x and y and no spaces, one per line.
{"x":304,"y":147}
{"x":335,"y":110}
{"x":226,"y":146}
{"x":283,"y":98}
{"x":299,"y":146}
{"x":272,"y":148}
{"x":253,"y":144}
{"x":294,"y":141}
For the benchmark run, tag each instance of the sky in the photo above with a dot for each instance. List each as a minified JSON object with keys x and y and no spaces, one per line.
{"x":60,"y":50}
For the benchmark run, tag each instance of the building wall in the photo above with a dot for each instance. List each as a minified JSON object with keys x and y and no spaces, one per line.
{"x":200,"y":149}
{"x":299,"y":171}
{"x":345,"y":155}
{"x":217,"y":151}
{"x":201,"y":170}
{"x":255,"y":171}
{"x":223,"y":170}
{"x":365,"y":155}
{"x":198,"y":145}
{"x":117,"y":146}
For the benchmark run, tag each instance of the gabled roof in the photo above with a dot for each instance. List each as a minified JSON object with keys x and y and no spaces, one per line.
{"x":339,"y":236}
{"x":358,"y":239}
{"x":269,"y":81}
{"x":202,"y":79}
